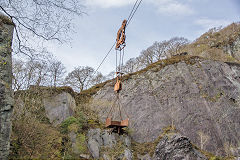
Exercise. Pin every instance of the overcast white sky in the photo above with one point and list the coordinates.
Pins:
(155, 20)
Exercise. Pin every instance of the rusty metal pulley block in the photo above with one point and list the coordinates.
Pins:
(121, 37)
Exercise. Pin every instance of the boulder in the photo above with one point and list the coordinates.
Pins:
(59, 107)
(94, 142)
(102, 143)
(174, 146)
(94, 148)
(108, 139)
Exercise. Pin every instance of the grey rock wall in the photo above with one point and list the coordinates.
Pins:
(59, 107)
(201, 99)
(6, 100)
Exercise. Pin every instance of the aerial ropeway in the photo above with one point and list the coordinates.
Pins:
(116, 121)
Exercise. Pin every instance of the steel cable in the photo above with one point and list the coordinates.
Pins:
(132, 13)
(132, 10)
(129, 20)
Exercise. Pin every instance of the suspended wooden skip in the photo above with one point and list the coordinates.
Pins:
(111, 121)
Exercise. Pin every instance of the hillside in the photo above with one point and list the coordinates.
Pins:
(186, 106)
(218, 44)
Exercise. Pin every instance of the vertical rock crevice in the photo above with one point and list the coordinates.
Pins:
(6, 94)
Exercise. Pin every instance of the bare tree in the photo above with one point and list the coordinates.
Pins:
(79, 77)
(99, 78)
(56, 72)
(24, 74)
(157, 51)
(40, 70)
(176, 45)
(41, 20)
(19, 74)
(146, 57)
(160, 50)
(130, 66)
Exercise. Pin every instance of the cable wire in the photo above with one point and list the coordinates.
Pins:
(122, 56)
(134, 12)
(101, 63)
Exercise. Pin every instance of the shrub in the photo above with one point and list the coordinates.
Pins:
(34, 140)
(73, 123)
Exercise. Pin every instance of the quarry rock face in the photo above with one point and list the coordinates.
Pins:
(59, 107)
(176, 146)
(199, 97)
(6, 99)
(101, 143)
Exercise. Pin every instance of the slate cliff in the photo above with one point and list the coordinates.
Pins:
(199, 97)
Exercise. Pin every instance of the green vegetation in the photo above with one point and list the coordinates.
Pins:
(68, 124)
(33, 136)
(81, 143)
(34, 140)
(73, 124)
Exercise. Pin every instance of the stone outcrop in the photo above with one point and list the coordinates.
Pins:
(233, 49)
(59, 107)
(199, 97)
(6, 100)
(175, 146)
(107, 145)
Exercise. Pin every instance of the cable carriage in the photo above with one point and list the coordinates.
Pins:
(112, 121)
